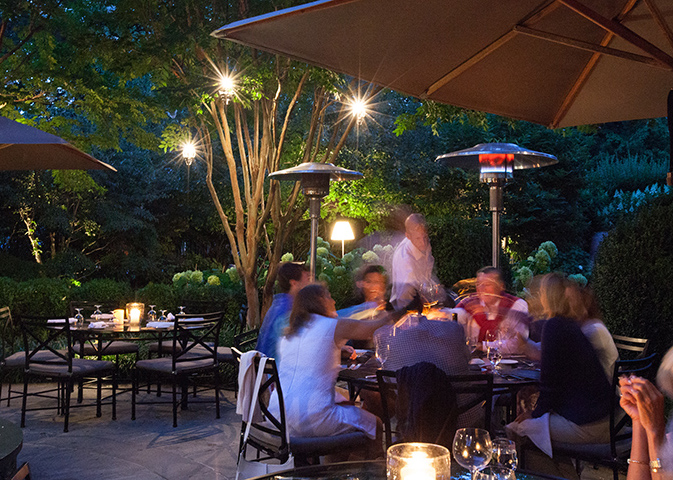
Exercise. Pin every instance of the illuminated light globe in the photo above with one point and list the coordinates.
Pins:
(189, 152)
(227, 87)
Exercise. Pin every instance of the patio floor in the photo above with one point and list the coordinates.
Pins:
(148, 448)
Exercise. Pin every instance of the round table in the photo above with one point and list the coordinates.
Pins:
(370, 470)
(11, 441)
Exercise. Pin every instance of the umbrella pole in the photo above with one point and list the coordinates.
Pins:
(669, 176)
(496, 209)
(314, 211)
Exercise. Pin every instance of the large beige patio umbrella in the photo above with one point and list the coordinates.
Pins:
(554, 62)
(23, 147)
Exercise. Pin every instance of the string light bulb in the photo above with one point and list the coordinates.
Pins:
(189, 152)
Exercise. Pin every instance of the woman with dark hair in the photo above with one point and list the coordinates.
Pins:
(309, 364)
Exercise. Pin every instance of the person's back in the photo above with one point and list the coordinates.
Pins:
(441, 343)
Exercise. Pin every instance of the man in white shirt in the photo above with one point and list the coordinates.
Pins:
(412, 261)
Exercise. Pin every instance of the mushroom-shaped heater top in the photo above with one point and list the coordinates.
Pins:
(497, 161)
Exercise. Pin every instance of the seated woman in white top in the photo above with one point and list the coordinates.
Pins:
(309, 364)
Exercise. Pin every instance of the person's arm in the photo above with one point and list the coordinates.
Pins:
(347, 329)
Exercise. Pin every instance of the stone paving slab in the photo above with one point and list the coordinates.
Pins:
(149, 448)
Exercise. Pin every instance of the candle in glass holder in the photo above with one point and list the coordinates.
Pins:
(118, 316)
(135, 315)
(418, 461)
(134, 312)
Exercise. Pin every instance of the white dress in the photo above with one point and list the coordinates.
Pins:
(308, 368)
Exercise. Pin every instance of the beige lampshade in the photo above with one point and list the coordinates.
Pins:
(342, 231)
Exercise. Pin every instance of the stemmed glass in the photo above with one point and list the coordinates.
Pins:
(182, 311)
(472, 342)
(152, 314)
(504, 453)
(495, 472)
(97, 313)
(494, 356)
(79, 318)
(382, 349)
(472, 449)
(163, 318)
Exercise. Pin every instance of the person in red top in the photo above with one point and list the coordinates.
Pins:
(491, 309)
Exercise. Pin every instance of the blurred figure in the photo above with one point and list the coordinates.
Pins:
(413, 262)
(310, 362)
(584, 309)
(372, 284)
(292, 277)
(492, 309)
(574, 401)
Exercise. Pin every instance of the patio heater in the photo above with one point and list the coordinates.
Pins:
(315, 178)
(496, 163)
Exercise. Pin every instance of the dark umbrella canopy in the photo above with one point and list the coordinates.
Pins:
(23, 147)
(556, 63)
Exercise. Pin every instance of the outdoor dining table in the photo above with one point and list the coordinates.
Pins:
(362, 376)
(370, 470)
(11, 441)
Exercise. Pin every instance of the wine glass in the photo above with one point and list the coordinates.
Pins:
(382, 349)
(494, 356)
(495, 472)
(79, 318)
(472, 342)
(182, 311)
(152, 314)
(504, 453)
(163, 318)
(97, 313)
(472, 449)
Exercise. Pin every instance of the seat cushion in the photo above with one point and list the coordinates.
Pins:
(80, 368)
(18, 359)
(115, 347)
(319, 446)
(165, 365)
(224, 354)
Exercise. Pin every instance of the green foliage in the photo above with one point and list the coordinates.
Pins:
(42, 296)
(630, 173)
(632, 276)
(104, 291)
(7, 291)
(159, 294)
(460, 247)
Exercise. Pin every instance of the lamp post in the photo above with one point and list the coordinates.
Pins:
(342, 231)
(496, 163)
(315, 178)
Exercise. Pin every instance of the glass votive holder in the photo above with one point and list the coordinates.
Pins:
(418, 461)
(118, 316)
(135, 312)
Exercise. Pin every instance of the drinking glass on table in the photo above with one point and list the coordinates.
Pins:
(472, 449)
(382, 349)
(494, 356)
(163, 317)
(472, 342)
(152, 314)
(97, 313)
(79, 318)
(495, 472)
(182, 310)
(504, 453)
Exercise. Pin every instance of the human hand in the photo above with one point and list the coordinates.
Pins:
(627, 399)
(348, 351)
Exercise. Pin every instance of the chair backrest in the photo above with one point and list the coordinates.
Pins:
(471, 391)
(246, 341)
(642, 367)
(268, 437)
(195, 337)
(631, 347)
(89, 307)
(40, 336)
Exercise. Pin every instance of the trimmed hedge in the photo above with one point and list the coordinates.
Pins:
(633, 275)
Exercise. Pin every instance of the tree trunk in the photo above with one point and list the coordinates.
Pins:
(26, 216)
